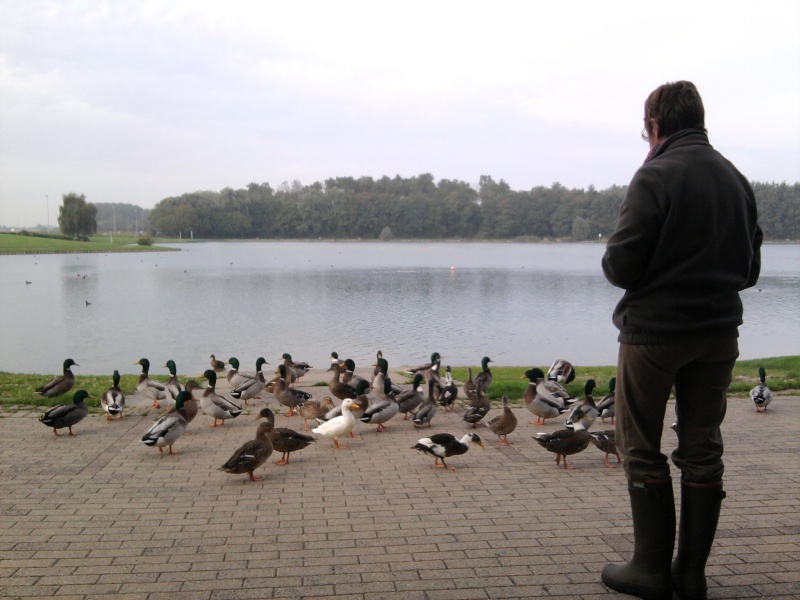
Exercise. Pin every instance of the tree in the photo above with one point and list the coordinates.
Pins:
(76, 217)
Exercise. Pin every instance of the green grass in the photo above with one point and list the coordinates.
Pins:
(12, 243)
(783, 375)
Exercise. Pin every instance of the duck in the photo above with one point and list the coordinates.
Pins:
(284, 440)
(561, 371)
(554, 393)
(295, 369)
(409, 400)
(470, 389)
(377, 369)
(338, 388)
(449, 391)
(445, 445)
(606, 406)
(382, 365)
(587, 407)
(113, 400)
(60, 384)
(235, 379)
(360, 404)
(191, 405)
(478, 408)
(761, 395)
(217, 365)
(251, 455)
(174, 386)
(340, 426)
(214, 405)
(565, 442)
(288, 396)
(252, 387)
(427, 410)
(313, 409)
(503, 424)
(349, 377)
(378, 413)
(169, 427)
(430, 370)
(67, 415)
(155, 390)
(484, 378)
(543, 406)
(606, 441)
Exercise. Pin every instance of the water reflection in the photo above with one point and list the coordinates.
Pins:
(520, 304)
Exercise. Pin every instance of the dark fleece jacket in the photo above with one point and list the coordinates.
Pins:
(687, 241)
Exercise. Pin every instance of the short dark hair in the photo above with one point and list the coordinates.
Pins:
(674, 106)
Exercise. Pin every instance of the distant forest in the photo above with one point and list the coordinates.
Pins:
(409, 208)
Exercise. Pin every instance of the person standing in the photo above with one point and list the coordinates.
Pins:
(686, 243)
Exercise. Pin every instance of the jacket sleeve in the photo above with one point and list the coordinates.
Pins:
(755, 262)
(631, 246)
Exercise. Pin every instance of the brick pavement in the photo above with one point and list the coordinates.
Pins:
(100, 515)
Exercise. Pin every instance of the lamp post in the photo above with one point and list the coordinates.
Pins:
(46, 197)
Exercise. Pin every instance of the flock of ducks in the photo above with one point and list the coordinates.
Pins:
(372, 402)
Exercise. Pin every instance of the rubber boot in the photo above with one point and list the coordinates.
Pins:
(700, 506)
(647, 575)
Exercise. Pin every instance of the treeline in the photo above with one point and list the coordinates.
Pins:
(421, 208)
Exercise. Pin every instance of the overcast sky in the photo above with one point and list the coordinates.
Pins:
(138, 101)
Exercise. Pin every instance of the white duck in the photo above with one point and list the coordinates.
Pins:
(761, 394)
(340, 426)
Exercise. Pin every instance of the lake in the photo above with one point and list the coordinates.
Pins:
(520, 304)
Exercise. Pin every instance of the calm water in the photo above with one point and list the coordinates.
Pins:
(520, 304)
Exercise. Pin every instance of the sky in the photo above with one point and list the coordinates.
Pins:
(137, 101)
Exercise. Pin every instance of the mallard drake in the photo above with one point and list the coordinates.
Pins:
(340, 426)
(113, 400)
(449, 392)
(251, 455)
(606, 405)
(761, 395)
(409, 400)
(295, 370)
(214, 405)
(288, 396)
(284, 440)
(169, 427)
(174, 386)
(445, 445)
(484, 379)
(349, 377)
(61, 384)
(252, 387)
(478, 408)
(377, 368)
(191, 405)
(554, 393)
(565, 442)
(337, 387)
(561, 371)
(427, 410)
(313, 409)
(67, 415)
(587, 407)
(155, 390)
(607, 442)
(382, 365)
(543, 406)
(503, 424)
(378, 413)
(217, 365)
(425, 368)
(235, 379)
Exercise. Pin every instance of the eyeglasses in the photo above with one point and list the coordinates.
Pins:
(644, 135)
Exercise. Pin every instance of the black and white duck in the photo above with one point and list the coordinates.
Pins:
(761, 395)
(113, 400)
(445, 445)
(67, 415)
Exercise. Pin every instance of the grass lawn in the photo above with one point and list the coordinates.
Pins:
(13, 243)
